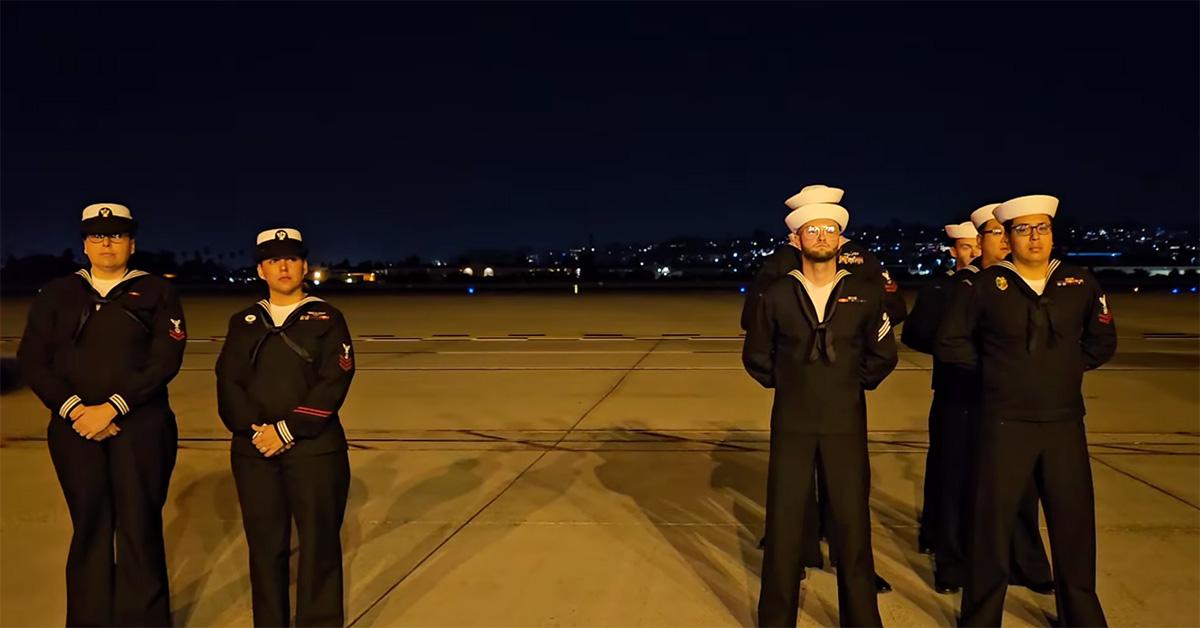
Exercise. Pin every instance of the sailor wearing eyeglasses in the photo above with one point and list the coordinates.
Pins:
(820, 336)
(283, 373)
(1029, 565)
(855, 258)
(1032, 327)
(99, 348)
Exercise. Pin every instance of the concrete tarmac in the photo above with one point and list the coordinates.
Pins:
(600, 460)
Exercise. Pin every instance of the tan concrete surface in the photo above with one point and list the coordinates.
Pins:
(630, 313)
(608, 482)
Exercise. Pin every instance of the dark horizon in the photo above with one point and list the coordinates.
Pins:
(389, 130)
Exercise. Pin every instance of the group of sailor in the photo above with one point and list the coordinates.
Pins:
(1011, 329)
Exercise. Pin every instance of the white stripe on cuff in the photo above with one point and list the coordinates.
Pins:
(68, 406)
(284, 432)
(119, 402)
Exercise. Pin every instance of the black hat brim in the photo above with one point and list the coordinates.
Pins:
(280, 248)
(107, 225)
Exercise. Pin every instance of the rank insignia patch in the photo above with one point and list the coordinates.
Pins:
(889, 286)
(1105, 316)
(344, 360)
(177, 333)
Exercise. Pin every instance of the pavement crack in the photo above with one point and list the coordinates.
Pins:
(503, 490)
(1146, 482)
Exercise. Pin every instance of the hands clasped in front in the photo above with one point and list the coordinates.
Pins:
(267, 441)
(95, 422)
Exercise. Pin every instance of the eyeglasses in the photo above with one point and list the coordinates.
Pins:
(1024, 230)
(116, 238)
(812, 231)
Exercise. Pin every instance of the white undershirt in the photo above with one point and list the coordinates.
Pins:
(104, 286)
(819, 295)
(1038, 285)
(280, 313)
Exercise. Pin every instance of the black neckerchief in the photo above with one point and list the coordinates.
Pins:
(821, 342)
(281, 330)
(98, 301)
(1039, 323)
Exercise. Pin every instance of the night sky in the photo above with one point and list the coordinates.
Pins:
(385, 130)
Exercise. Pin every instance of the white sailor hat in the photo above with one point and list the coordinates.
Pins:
(1027, 206)
(280, 242)
(815, 202)
(815, 194)
(983, 214)
(961, 230)
(816, 211)
(107, 219)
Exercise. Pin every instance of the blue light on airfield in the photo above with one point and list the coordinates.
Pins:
(1174, 290)
(471, 290)
(1193, 289)
(742, 289)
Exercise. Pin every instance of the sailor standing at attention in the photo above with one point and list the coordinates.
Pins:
(99, 349)
(282, 376)
(820, 336)
(949, 416)
(1032, 327)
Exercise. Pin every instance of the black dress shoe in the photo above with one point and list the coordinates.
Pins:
(946, 589)
(881, 585)
(923, 544)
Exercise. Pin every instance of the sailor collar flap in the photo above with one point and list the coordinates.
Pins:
(117, 289)
(114, 294)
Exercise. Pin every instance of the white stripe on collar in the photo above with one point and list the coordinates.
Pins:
(129, 274)
(798, 276)
(267, 302)
(1054, 264)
